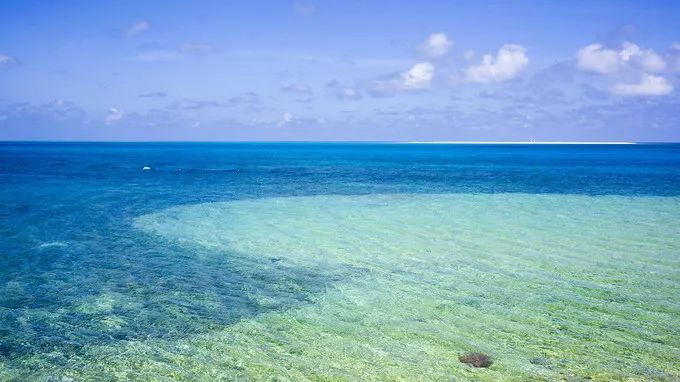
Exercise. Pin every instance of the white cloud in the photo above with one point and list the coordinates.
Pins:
(651, 62)
(647, 60)
(418, 77)
(6, 60)
(629, 50)
(598, 59)
(137, 29)
(649, 85)
(113, 115)
(510, 61)
(285, 119)
(437, 45)
(595, 58)
(336, 89)
(348, 93)
(341, 92)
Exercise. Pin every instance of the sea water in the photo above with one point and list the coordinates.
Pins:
(347, 262)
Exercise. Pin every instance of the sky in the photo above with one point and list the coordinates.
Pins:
(340, 70)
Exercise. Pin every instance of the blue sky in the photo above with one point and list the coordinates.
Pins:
(340, 70)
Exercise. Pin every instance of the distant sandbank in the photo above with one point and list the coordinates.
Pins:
(514, 143)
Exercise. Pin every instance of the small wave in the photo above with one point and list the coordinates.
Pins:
(51, 244)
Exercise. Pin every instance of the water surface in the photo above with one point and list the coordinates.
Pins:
(339, 261)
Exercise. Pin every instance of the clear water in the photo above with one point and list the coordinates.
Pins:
(346, 262)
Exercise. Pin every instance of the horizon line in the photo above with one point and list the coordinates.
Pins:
(356, 141)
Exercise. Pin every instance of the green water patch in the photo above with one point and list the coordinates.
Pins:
(551, 287)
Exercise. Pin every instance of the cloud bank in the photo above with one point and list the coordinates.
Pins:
(626, 62)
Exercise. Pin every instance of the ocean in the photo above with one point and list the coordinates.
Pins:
(339, 261)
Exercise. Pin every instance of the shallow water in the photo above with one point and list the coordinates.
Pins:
(339, 262)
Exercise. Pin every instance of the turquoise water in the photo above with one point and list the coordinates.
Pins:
(339, 262)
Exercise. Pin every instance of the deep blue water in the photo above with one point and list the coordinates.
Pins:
(67, 211)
